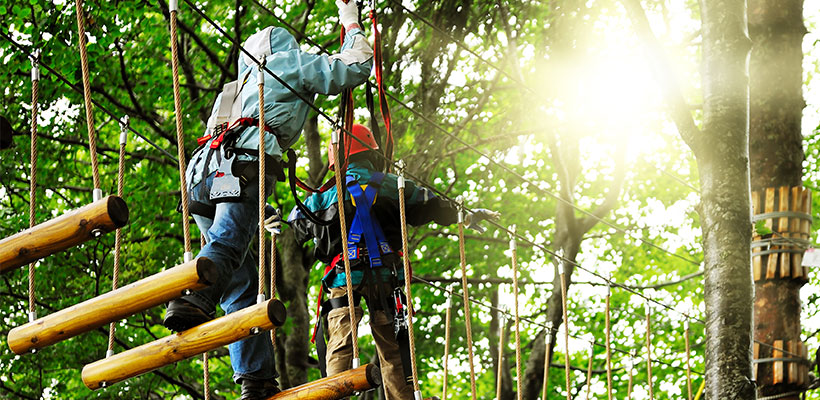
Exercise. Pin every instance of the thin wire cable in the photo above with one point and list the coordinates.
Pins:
(262, 198)
(186, 228)
(688, 360)
(337, 126)
(89, 108)
(32, 199)
(609, 343)
(351, 307)
(547, 356)
(447, 318)
(519, 378)
(500, 357)
(649, 351)
(466, 290)
(407, 278)
(589, 368)
(115, 277)
(562, 273)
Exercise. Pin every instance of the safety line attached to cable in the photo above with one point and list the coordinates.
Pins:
(89, 108)
(407, 280)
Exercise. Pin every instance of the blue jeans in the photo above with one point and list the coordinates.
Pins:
(228, 236)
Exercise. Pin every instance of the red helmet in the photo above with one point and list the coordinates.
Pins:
(352, 145)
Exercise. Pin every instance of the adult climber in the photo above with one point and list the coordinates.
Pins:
(374, 236)
(223, 175)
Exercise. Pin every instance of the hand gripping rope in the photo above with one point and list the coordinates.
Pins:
(407, 279)
(115, 278)
(467, 315)
(35, 96)
(89, 108)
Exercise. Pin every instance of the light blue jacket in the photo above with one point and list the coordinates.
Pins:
(285, 112)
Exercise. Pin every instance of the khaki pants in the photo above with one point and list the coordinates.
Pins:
(340, 347)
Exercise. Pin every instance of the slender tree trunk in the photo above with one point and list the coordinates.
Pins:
(293, 287)
(723, 163)
(776, 155)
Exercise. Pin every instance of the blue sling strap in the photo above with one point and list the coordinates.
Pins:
(364, 225)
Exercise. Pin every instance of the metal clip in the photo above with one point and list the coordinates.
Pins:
(124, 130)
(260, 298)
(98, 194)
(400, 167)
(512, 237)
(260, 74)
(35, 65)
(356, 363)
(173, 6)
(188, 256)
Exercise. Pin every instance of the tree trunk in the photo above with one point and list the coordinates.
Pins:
(295, 266)
(723, 163)
(776, 154)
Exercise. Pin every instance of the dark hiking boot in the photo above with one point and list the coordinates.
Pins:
(182, 315)
(254, 389)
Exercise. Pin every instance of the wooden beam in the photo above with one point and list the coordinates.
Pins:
(63, 232)
(335, 387)
(113, 306)
(222, 331)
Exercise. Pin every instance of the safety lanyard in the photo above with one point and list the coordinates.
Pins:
(363, 224)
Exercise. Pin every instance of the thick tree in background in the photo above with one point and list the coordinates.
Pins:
(776, 155)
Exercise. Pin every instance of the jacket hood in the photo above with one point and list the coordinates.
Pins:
(264, 43)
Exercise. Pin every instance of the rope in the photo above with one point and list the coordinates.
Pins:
(561, 272)
(607, 312)
(649, 352)
(547, 344)
(500, 357)
(688, 359)
(89, 111)
(517, 319)
(262, 200)
(186, 228)
(273, 284)
(407, 277)
(206, 376)
(631, 380)
(447, 317)
(589, 369)
(354, 328)
(115, 278)
(465, 288)
(32, 199)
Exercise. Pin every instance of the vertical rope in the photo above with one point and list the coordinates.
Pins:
(566, 324)
(589, 367)
(517, 320)
(115, 278)
(186, 228)
(260, 78)
(547, 344)
(649, 350)
(354, 326)
(688, 358)
(500, 356)
(407, 278)
(206, 376)
(273, 284)
(447, 317)
(464, 287)
(608, 311)
(32, 194)
(206, 373)
(89, 110)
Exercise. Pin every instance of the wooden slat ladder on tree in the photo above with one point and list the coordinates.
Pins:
(68, 230)
(113, 306)
(782, 218)
(213, 334)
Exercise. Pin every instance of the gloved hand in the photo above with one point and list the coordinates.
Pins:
(273, 220)
(348, 12)
(473, 219)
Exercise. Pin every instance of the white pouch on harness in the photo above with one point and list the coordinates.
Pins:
(225, 186)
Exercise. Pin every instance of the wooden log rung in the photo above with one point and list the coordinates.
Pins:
(219, 332)
(335, 387)
(63, 232)
(113, 306)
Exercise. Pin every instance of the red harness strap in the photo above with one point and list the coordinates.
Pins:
(383, 106)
